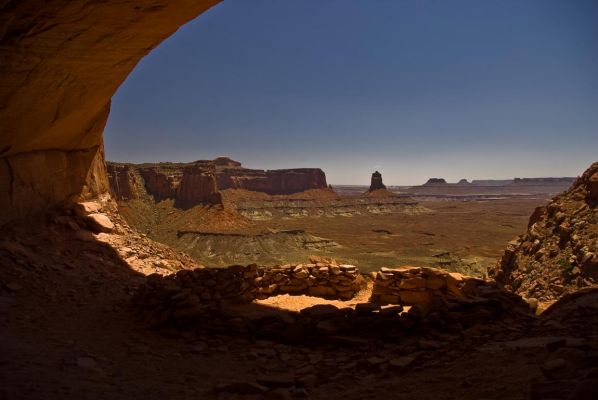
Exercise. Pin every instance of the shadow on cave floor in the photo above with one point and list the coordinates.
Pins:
(68, 329)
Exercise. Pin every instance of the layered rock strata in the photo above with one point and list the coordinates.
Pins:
(123, 182)
(197, 185)
(187, 184)
(559, 252)
(200, 181)
(231, 175)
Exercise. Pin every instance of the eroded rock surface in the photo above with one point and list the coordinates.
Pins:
(376, 182)
(188, 184)
(231, 175)
(199, 182)
(559, 252)
(61, 63)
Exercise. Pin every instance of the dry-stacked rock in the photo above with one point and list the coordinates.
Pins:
(320, 280)
(559, 252)
(414, 285)
(188, 293)
(197, 298)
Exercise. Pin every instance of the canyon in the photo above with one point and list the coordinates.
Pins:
(255, 331)
(93, 306)
(223, 225)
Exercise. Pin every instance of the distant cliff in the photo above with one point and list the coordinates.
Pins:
(543, 181)
(435, 181)
(504, 182)
(231, 175)
(187, 184)
(199, 182)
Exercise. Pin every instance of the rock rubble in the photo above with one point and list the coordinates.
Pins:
(559, 252)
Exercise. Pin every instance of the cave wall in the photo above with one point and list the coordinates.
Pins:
(60, 63)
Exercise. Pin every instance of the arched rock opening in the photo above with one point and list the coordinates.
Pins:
(61, 63)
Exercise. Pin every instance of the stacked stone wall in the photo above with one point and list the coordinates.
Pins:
(189, 292)
(415, 285)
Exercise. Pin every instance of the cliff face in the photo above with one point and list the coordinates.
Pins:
(159, 183)
(231, 175)
(198, 182)
(559, 252)
(188, 184)
(198, 185)
(123, 182)
(289, 181)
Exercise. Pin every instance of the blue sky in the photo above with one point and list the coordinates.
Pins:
(414, 88)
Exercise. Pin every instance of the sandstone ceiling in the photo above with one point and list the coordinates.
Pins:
(61, 62)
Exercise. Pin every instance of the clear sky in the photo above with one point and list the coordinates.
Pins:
(414, 88)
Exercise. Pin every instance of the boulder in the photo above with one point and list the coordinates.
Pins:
(99, 222)
(85, 208)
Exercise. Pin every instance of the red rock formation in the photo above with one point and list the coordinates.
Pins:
(199, 182)
(376, 182)
(188, 184)
(122, 181)
(159, 183)
(231, 175)
(197, 186)
(225, 162)
(288, 181)
(62, 61)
